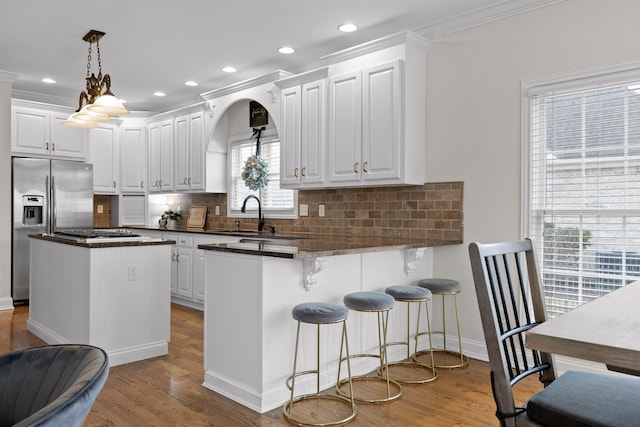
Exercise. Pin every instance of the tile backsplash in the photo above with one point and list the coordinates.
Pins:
(433, 210)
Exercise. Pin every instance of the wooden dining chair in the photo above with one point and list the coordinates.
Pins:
(511, 302)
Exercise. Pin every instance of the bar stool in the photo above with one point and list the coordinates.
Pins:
(381, 304)
(413, 294)
(446, 287)
(320, 313)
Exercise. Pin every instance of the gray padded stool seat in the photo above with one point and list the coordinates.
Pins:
(446, 287)
(320, 313)
(379, 303)
(410, 295)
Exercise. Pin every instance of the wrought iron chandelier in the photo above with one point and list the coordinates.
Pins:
(96, 104)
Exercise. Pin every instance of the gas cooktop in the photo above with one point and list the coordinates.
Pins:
(94, 236)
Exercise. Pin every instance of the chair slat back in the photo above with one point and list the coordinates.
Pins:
(511, 302)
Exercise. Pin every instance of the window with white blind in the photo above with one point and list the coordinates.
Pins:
(276, 202)
(583, 175)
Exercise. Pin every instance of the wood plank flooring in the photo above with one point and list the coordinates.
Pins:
(167, 390)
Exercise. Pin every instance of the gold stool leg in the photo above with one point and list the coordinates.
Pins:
(288, 407)
(410, 360)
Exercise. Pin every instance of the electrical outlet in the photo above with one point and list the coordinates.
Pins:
(320, 210)
(133, 273)
(100, 208)
(217, 209)
(304, 210)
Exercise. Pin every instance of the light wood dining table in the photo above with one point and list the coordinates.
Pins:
(605, 330)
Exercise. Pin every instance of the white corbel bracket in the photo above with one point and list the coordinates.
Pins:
(410, 257)
(310, 267)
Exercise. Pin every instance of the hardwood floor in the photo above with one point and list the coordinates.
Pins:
(167, 390)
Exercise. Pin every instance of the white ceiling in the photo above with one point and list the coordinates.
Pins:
(156, 45)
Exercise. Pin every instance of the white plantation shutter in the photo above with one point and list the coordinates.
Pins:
(584, 188)
(274, 199)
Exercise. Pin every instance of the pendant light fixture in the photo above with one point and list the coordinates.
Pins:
(96, 104)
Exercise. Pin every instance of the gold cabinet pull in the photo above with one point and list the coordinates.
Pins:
(355, 167)
(304, 171)
(189, 181)
(46, 146)
(114, 184)
(365, 167)
(173, 257)
(295, 172)
(53, 146)
(141, 184)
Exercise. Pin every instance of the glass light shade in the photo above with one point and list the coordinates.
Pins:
(87, 115)
(108, 104)
(73, 122)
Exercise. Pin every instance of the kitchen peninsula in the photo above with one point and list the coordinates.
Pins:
(114, 295)
(253, 284)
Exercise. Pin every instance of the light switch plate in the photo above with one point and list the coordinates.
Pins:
(304, 210)
(320, 210)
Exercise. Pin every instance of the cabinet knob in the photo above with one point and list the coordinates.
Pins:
(304, 171)
(355, 167)
(295, 172)
(365, 166)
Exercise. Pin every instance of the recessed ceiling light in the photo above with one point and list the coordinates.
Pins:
(191, 83)
(229, 69)
(48, 80)
(286, 50)
(348, 28)
(159, 93)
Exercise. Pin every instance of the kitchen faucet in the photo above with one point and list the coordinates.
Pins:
(260, 217)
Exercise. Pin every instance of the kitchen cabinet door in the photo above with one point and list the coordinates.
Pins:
(289, 132)
(199, 275)
(103, 143)
(382, 122)
(181, 153)
(184, 263)
(161, 156)
(345, 127)
(40, 132)
(134, 160)
(312, 138)
(189, 152)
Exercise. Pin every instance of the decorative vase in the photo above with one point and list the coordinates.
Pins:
(172, 223)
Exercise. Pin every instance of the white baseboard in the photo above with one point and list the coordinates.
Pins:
(116, 357)
(6, 303)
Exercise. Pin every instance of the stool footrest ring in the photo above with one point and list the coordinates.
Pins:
(464, 360)
(289, 406)
(389, 395)
(412, 363)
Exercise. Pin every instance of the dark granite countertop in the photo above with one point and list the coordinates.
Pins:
(105, 244)
(303, 245)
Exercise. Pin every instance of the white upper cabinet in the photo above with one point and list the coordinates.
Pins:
(39, 131)
(134, 160)
(366, 126)
(303, 129)
(189, 152)
(161, 140)
(104, 146)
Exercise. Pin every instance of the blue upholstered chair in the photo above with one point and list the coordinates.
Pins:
(52, 385)
(508, 288)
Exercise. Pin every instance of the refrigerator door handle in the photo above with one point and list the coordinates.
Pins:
(52, 206)
(47, 203)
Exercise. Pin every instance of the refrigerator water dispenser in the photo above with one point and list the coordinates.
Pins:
(32, 210)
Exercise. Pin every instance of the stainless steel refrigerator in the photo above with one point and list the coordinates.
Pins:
(48, 196)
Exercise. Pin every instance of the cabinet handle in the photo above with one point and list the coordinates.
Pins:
(295, 172)
(53, 146)
(160, 183)
(189, 181)
(364, 167)
(114, 184)
(46, 146)
(355, 167)
(141, 184)
(178, 258)
(304, 171)
(173, 257)
(184, 181)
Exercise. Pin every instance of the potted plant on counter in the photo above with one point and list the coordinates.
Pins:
(171, 217)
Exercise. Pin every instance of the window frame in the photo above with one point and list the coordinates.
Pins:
(604, 76)
(269, 135)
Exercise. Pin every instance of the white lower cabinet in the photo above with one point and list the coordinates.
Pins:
(188, 265)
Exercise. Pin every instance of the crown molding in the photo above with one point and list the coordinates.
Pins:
(408, 37)
(481, 16)
(6, 76)
(246, 84)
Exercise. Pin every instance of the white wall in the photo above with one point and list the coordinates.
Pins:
(5, 194)
(474, 112)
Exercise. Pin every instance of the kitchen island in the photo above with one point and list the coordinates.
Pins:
(114, 295)
(253, 284)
